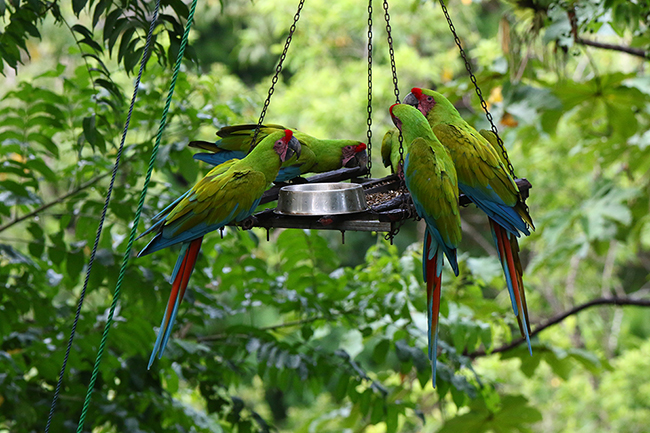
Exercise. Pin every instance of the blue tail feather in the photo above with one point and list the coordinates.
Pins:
(168, 331)
(179, 261)
(156, 346)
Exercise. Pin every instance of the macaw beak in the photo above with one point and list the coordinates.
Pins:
(410, 99)
(360, 159)
(293, 148)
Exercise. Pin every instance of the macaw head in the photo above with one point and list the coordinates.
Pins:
(287, 146)
(394, 114)
(428, 101)
(354, 155)
(410, 121)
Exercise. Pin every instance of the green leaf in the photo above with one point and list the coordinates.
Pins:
(403, 350)
(378, 411)
(380, 351)
(341, 387)
(391, 418)
(78, 5)
(75, 264)
(306, 331)
(90, 132)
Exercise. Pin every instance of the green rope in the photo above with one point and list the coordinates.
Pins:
(136, 220)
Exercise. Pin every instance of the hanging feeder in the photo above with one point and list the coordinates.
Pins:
(389, 203)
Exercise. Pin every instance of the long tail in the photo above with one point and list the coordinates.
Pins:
(508, 250)
(180, 278)
(433, 278)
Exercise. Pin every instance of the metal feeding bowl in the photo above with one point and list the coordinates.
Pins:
(321, 199)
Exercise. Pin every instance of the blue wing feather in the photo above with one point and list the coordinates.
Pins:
(490, 203)
(218, 158)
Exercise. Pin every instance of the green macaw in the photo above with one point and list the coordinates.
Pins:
(430, 177)
(387, 148)
(318, 156)
(229, 192)
(484, 178)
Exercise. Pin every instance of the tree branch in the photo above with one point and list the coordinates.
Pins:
(55, 201)
(629, 50)
(560, 317)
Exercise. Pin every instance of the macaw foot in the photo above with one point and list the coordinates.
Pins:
(400, 173)
(299, 180)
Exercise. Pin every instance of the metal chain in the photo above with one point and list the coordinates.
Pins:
(369, 108)
(511, 169)
(278, 69)
(391, 51)
(406, 204)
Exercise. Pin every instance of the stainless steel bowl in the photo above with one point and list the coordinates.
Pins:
(321, 199)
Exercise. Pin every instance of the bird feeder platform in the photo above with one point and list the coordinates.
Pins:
(388, 205)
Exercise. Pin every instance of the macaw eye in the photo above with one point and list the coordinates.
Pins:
(429, 98)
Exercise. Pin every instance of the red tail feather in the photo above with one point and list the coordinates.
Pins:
(514, 248)
(183, 277)
(434, 285)
(507, 259)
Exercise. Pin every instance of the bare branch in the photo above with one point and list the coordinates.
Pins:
(633, 51)
(478, 238)
(57, 200)
(560, 317)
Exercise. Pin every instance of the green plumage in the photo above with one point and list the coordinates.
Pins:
(431, 173)
(478, 164)
(318, 155)
(484, 178)
(233, 186)
(390, 144)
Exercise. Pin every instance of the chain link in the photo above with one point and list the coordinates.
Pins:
(511, 169)
(369, 109)
(278, 69)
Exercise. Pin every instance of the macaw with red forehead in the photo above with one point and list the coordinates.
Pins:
(430, 177)
(229, 192)
(318, 156)
(484, 178)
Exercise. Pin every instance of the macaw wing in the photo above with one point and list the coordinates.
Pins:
(217, 199)
(205, 145)
(160, 218)
(386, 147)
(245, 129)
(478, 165)
(234, 143)
(434, 190)
(239, 137)
(491, 137)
